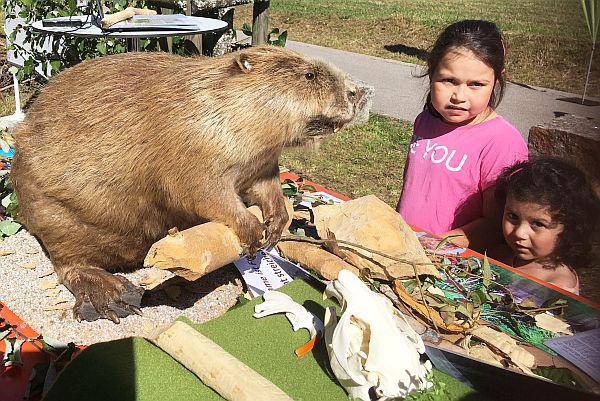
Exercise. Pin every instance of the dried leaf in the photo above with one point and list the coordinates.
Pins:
(6, 252)
(424, 312)
(47, 284)
(519, 357)
(484, 353)
(62, 306)
(28, 266)
(31, 251)
(551, 323)
(57, 301)
(436, 291)
(46, 273)
(52, 292)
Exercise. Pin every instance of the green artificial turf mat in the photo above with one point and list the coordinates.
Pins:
(134, 369)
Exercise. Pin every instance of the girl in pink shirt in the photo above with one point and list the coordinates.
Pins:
(550, 217)
(460, 144)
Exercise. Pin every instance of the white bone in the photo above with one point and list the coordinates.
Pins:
(372, 345)
(278, 302)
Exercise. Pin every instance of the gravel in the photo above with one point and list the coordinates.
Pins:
(25, 273)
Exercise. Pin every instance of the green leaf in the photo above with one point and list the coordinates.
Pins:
(101, 47)
(6, 201)
(55, 64)
(409, 285)
(528, 303)
(487, 271)
(247, 29)
(9, 227)
(560, 375)
(445, 240)
(281, 39)
(309, 188)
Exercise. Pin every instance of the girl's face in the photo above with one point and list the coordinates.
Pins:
(529, 229)
(461, 87)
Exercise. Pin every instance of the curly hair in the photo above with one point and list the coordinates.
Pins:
(566, 192)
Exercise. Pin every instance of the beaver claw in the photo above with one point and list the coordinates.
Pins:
(99, 294)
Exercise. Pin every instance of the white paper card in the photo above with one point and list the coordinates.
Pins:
(267, 271)
(581, 349)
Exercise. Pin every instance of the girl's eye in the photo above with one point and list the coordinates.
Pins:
(477, 84)
(538, 224)
(449, 80)
(511, 216)
(310, 76)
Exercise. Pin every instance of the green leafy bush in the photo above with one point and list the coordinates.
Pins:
(73, 49)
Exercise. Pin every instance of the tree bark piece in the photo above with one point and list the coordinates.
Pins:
(314, 257)
(370, 222)
(218, 369)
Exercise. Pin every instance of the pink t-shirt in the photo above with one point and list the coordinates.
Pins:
(448, 167)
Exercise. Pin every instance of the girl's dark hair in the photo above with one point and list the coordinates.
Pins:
(480, 37)
(566, 191)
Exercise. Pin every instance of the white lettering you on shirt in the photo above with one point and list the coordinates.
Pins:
(438, 154)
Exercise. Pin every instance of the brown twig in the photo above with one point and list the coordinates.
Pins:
(292, 237)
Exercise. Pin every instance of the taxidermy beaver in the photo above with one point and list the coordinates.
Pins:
(116, 151)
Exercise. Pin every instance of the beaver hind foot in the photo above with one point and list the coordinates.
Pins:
(100, 294)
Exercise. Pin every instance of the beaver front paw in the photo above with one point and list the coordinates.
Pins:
(99, 294)
(250, 233)
(275, 225)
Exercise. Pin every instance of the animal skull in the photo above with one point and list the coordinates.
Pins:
(372, 345)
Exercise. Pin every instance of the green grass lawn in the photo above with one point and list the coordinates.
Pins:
(363, 160)
(548, 41)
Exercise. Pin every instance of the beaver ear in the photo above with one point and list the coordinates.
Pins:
(243, 62)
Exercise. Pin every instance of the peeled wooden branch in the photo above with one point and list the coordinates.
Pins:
(315, 258)
(127, 13)
(218, 369)
(199, 250)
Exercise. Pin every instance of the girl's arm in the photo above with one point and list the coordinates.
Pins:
(484, 232)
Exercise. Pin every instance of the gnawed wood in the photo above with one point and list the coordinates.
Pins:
(218, 369)
(199, 250)
(314, 257)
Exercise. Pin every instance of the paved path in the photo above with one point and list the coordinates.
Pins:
(400, 93)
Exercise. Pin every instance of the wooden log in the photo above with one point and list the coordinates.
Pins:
(129, 12)
(199, 250)
(218, 369)
(312, 256)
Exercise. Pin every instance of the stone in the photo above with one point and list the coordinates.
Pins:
(573, 138)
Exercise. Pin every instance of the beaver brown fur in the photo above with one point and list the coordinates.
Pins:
(116, 151)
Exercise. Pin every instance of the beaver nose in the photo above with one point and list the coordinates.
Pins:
(351, 95)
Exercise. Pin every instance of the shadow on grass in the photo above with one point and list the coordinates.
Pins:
(408, 50)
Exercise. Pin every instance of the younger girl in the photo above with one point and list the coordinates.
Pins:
(550, 217)
(460, 144)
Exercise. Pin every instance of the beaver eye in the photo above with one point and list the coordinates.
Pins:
(310, 76)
